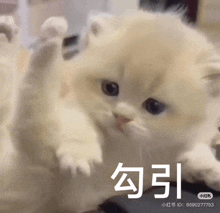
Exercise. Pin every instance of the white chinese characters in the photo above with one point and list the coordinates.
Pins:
(166, 184)
(140, 170)
(118, 186)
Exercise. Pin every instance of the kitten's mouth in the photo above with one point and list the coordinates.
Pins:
(120, 121)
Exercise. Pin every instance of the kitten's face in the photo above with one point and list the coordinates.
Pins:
(143, 86)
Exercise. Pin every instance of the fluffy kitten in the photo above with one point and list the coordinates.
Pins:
(41, 124)
(23, 183)
(150, 84)
(9, 45)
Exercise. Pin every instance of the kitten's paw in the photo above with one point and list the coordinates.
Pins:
(67, 161)
(201, 170)
(54, 27)
(79, 157)
(8, 29)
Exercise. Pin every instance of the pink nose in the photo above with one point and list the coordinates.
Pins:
(120, 121)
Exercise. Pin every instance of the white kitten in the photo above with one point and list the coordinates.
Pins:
(150, 84)
(9, 46)
(42, 118)
(8, 76)
(41, 126)
(13, 192)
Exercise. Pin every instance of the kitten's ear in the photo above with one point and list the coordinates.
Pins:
(212, 76)
(98, 25)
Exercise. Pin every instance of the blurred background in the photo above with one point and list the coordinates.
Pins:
(30, 14)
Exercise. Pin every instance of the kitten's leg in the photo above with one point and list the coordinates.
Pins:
(200, 164)
(81, 145)
(38, 117)
(24, 187)
(35, 125)
(9, 46)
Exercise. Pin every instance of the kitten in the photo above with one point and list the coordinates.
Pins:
(9, 45)
(23, 183)
(42, 126)
(150, 84)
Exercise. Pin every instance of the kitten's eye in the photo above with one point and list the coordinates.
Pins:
(110, 88)
(154, 107)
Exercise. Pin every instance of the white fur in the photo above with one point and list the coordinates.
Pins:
(42, 126)
(149, 55)
(22, 182)
(8, 77)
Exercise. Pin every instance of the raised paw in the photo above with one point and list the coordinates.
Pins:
(68, 162)
(78, 157)
(8, 29)
(54, 27)
(201, 170)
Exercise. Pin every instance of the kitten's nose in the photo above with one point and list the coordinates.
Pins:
(120, 121)
(123, 113)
